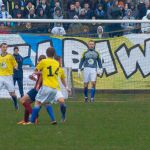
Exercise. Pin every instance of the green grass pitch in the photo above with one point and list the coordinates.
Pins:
(113, 122)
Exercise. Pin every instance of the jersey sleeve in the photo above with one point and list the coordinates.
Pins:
(40, 65)
(82, 60)
(63, 76)
(99, 60)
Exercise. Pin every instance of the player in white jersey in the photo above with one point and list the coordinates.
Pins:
(89, 61)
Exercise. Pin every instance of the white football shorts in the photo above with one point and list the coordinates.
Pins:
(7, 83)
(89, 74)
(59, 95)
(46, 94)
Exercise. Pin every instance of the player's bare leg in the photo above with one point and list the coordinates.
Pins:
(86, 92)
(14, 98)
(93, 85)
(26, 102)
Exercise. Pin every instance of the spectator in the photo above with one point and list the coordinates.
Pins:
(77, 7)
(75, 28)
(18, 74)
(58, 30)
(18, 25)
(45, 8)
(57, 5)
(27, 9)
(41, 28)
(114, 12)
(31, 14)
(58, 14)
(141, 9)
(16, 10)
(134, 11)
(128, 2)
(85, 31)
(82, 14)
(128, 27)
(93, 27)
(88, 11)
(100, 31)
(3, 13)
(99, 12)
(106, 5)
(145, 27)
(71, 12)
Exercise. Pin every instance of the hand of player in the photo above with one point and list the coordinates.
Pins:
(32, 77)
(37, 72)
(79, 73)
(99, 72)
(68, 90)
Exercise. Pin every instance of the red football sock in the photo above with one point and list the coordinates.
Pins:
(27, 107)
(26, 116)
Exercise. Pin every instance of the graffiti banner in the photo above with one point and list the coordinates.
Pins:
(125, 60)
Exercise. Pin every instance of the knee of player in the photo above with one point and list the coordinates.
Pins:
(12, 94)
(37, 103)
(61, 100)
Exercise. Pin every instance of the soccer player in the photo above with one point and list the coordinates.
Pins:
(49, 69)
(18, 73)
(29, 98)
(59, 94)
(7, 65)
(89, 61)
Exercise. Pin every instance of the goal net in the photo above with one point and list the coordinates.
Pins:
(124, 51)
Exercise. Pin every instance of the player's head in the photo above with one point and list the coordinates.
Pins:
(16, 50)
(41, 57)
(59, 59)
(91, 44)
(50, 52)
(4, 47)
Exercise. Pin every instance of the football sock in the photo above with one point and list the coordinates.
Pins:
(86, 92)
(50, 112)
(27, 107)
(63, 110)
(14, 98)
(35, 112)
(92, 93)
(26, 116)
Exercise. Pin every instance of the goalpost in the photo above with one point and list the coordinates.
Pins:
(125, 57)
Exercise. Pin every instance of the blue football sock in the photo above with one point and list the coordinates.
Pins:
(63, 111)
(92, 93)
(86, 92)
(35, 112)
(50, 112)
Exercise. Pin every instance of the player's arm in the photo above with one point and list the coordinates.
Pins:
(14, 63)
(33, 77)
(100, 69)
(63, 80)
(81, 64)
(81, 61)
(99, 61)
(39, 82)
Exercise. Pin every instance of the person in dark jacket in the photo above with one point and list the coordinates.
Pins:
(18, 74)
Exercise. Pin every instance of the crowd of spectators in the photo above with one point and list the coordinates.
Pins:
(75, 9)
